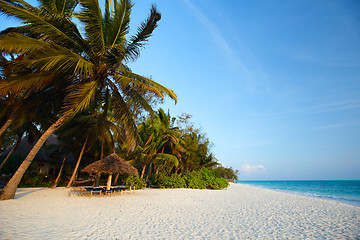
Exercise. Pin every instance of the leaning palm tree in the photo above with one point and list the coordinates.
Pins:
(94, 63)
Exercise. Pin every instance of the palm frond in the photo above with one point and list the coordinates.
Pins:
(144, 32)
(90, 15)
(135, 94)
(81, 95)
(119, 25)
(24, 29)
(163, 157)
(45, 25)
(146, 83)
(123, 116)
(16, 84)
(44, 56)
(59, 7)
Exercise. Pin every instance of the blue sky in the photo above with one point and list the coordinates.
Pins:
(274, 84)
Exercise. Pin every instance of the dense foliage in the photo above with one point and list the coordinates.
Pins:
(135, 181)
(196, 179)
(226, 172)
(73, 80)
(53, 69)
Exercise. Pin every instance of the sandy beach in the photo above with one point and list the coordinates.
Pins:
(240, 212)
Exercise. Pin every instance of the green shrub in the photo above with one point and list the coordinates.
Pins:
(139, 183)
(204, 179)
(153, 179)
(212, 181)
(201, 179)
(175, 180)
(222, 182)
(193, 180)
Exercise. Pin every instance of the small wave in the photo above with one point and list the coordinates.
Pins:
(315, 189)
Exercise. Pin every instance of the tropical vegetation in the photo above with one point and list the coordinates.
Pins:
(65, 71)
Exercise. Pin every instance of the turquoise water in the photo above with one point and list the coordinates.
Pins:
(342, 191)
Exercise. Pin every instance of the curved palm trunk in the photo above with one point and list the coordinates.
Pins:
(143, 171)
(8, 122)
(116, 178)
(6, 125)
(10, 188)
(59, 174)
(77, 164)
(11, 151)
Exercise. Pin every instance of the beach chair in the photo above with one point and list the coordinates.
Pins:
(94, 191)
(119, 190)
(79, 190)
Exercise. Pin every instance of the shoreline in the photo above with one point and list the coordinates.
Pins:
(239, 212)
(316, 196)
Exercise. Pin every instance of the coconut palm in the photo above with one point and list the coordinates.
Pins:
(95, 63)
(160, 144)
(97, 130)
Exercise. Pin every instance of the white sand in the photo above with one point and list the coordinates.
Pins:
(240, 212)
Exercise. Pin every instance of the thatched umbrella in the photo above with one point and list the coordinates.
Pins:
(110, 165)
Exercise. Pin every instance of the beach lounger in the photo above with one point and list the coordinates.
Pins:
(118, 190)
(79, 190)
(100, 191)
(95, 191)
(122, 189)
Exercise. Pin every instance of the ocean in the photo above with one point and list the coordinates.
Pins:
(345, 191)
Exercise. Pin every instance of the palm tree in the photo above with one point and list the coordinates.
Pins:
(97, 130)
(197, 155)
(160, 144)
(94, 64)
(208, 161)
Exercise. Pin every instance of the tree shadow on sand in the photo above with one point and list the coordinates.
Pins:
(22, 192)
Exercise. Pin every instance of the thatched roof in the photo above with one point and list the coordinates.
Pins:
(110, 165)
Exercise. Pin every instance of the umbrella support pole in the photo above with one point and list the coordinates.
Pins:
(108, 186)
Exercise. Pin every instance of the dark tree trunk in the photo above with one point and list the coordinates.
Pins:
(147, 177)
(10, 188)
(97, 180)
(116, 179)
(77, 164)
(12, 150)
(7, 123)
(143, 171)
(59, 174)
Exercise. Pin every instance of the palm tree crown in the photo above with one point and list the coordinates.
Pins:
(96, 63)
(91, 67)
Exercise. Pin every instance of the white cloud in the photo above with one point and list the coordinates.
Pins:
(247, 168)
